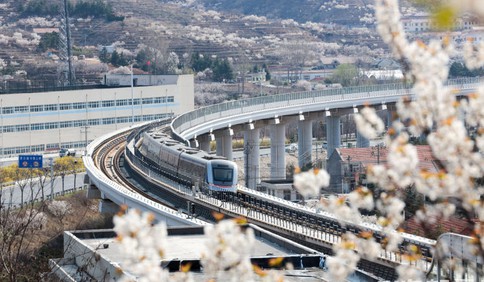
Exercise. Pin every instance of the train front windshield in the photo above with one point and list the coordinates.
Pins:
(223, 175)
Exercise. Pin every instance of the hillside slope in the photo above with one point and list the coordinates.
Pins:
(347, 12)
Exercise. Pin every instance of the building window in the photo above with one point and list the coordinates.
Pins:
(52, 146)
(94, 122)
(51, 125)
(9, 128)
(109, 120)
(65, 124)
(123, 120)
(37, 148)
(36, 108)
(147, 101)
(7, 110)
(22, 127)
(122, 102)
(66, 106)
(21, 150)
(21, 109)
(79, 106)
(94, 104)
(108, 103)
(38, 126)
(9, 151)
(77, 123)
(50, 107)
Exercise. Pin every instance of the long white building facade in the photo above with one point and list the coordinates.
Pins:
(47, 121)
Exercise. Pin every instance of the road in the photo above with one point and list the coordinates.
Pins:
(12, 195)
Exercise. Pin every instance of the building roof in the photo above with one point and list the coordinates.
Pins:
(370, 155)
(42, 30)
(452, 224)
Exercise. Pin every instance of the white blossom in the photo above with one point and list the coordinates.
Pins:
(227, 252)
(368, 123)
(309, 183)
(59, 208)
(409, 274)
(144, 244)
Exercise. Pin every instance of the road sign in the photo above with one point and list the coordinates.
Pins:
(30, 161)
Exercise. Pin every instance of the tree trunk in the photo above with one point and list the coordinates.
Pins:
(63, 184)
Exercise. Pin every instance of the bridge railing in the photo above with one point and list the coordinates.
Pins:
(120, 194)
(230, 108)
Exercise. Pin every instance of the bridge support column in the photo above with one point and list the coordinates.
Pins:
(333, 133)
(304, 142)
(194, 143)
(361, 141)
(219, 147)
(224, 143)
(107, 206)
(227, 141)
(278, 154)
(204, 142)
(389, 119)
(92, 192)
(252, 158)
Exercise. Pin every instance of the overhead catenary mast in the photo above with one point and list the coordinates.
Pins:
(68, 76)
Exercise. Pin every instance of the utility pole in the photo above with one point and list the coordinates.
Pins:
(85, 131)
(132, 96)
(378, 146)
(51, 163)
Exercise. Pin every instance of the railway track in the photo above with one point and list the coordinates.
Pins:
(118, 160)
(109, 157)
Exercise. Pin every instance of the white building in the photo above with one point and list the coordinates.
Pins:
(282, 189)
(423, 23)
(47, 121)
(383, 74)
(301, 75)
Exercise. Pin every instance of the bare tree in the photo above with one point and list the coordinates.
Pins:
(296, 54)
(18, 228)
(21, 177)
(42, 176)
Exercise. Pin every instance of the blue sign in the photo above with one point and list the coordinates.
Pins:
(30, 161)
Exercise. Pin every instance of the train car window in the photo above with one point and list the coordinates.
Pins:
(222, 174)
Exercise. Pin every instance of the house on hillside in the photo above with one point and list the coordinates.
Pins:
(347, 166)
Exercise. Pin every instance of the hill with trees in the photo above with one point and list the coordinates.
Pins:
(347, 12)
(161, 36)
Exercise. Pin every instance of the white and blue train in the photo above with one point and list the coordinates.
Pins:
(188, 165)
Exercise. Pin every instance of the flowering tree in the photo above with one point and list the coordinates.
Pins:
(434, 112)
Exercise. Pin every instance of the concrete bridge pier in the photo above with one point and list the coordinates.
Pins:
(105, 205)
(223, 139)
(304, 142)
(278, 154)
(252, 157)
(109, 207)
(333, 133)
(204, 142)
(194, 143)
(389, 120)
(92, 191)
(361, 141)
